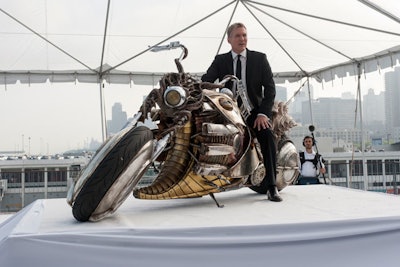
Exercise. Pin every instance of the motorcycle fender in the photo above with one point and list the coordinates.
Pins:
(287, 165)
(125, 183)
(94, 162)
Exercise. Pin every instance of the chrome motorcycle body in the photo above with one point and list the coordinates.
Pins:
(195, 136)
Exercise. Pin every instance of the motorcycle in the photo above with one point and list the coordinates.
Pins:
(193, 134)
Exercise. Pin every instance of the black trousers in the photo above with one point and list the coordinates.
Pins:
(268, 149)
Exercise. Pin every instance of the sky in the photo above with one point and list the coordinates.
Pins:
(52, 118)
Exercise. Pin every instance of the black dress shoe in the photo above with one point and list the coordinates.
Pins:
(273, 194)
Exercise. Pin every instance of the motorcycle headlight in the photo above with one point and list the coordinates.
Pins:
(174, 96)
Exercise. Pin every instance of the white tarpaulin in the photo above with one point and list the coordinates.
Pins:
(67, 40)
(315, 225)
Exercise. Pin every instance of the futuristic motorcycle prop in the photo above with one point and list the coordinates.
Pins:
(195, 138)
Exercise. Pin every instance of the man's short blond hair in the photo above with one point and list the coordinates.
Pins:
(234, 26)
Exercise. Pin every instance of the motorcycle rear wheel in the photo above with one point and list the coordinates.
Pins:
(113, 171)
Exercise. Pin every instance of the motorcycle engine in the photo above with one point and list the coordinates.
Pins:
(219, 142)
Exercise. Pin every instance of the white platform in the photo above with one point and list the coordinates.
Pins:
(315, 225)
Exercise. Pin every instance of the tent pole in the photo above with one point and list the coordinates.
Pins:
(380, 10)
(102, 112)
(104, 37)
(45, 39)
(361, 127)
(168, 38)
(226, 30)
(310, 100)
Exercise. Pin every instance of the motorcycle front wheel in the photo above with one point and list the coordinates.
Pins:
(114, 178)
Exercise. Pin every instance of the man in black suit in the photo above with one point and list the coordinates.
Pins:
(256, 75)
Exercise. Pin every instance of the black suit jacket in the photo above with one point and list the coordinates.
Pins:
(259, 78)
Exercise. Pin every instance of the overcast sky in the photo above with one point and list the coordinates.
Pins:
(52, 118)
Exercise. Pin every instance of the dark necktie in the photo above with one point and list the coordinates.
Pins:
(239, 68)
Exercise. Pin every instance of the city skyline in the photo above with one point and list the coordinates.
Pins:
(61, 117)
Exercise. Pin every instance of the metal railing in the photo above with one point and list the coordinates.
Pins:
(377, 175)
(381, 176)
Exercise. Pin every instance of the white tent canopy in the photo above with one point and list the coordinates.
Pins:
(64, 41)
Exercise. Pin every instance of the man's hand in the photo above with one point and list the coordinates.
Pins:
(262, 122)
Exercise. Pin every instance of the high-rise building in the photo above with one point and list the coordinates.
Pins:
(330, 113)
(281, 93)
(118, 119)
(392, 99)
(296, 107)
(373, 109)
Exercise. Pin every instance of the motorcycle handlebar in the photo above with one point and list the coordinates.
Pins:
(171, 45)
(227, 78)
